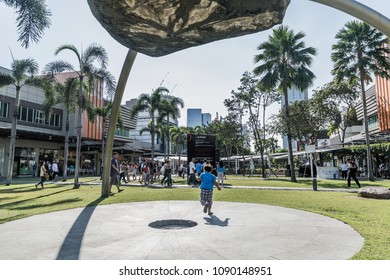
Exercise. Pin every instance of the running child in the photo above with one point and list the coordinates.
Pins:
(208, 181)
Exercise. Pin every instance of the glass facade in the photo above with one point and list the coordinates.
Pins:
(4, 109)
(372, 122)
(194, 117)
(37, 116)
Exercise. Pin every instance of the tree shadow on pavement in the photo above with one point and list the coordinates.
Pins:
(70, 249)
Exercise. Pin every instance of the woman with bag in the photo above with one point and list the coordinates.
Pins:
(42, 173)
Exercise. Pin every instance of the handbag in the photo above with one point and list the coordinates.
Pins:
(46, 175)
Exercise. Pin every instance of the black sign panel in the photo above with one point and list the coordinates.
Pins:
(201, 147)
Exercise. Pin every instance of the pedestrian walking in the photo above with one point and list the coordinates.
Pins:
(54, 168)
(191, 172)
(352, 170)
(114, 173)
(42, 173)
(220, 172)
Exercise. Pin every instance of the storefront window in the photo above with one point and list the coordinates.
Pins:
(25, 159)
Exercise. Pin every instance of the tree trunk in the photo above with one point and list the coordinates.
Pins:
(120, 89)
(12, 142)
(103, 142)
(78, 132)
(289, 140)
(370, 174)
(66, 149)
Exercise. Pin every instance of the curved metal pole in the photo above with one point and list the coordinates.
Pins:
(360, 11)
(120, 89)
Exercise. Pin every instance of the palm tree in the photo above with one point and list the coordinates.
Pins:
(285, 60)
(32, 20)
(170, 107)
(197, 130)
(157, 129)
(86, 72)
(176, 135)
(360, 51)
(152, 104)
(65, 94)
(18, 78)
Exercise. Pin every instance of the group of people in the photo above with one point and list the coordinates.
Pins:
(204, 176)
(147, 172)
(198, 167)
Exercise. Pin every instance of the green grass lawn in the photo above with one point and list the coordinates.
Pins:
(369, 217)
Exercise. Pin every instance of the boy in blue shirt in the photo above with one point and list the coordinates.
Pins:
(208, 181)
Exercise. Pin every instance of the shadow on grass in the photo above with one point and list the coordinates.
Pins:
(7, 198)
(18, 189)
(33, 198)
(34, 206)
(70, 249)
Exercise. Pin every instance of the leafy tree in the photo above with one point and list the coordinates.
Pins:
(33, 18)
(22, 73)
(360, 51)
(227, 132)
(88, 73)
(344, 96)
(284, 60)
(152, 103)
(308, 118)
(236, 109)
(197, 130)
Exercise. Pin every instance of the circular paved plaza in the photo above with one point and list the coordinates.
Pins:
(236, 231)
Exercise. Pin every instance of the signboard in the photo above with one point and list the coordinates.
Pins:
(310, 148)
(201, 147)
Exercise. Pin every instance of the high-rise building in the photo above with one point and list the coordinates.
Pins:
(294, 94)
(194, 117)
(206, 119)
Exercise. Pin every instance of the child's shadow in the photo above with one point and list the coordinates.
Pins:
(215, 221)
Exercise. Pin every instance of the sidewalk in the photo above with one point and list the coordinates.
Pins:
(95, 180)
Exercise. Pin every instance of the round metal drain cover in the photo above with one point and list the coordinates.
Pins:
(172, 224)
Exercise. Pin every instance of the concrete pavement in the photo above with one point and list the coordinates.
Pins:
(236, 231)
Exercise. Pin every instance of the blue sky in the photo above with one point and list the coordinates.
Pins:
(203, 76)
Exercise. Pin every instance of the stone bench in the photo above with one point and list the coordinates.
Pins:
(374, 192)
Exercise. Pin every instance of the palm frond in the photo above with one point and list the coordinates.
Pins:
(71, 48)
(56, 67)
(21, 67)
(6, 80)
(33, 18)
(95, 52)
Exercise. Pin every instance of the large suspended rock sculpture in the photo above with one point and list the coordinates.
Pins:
(160, 27)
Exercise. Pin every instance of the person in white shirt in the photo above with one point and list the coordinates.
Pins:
(344, 170)
(191, 173)
(54, 168)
